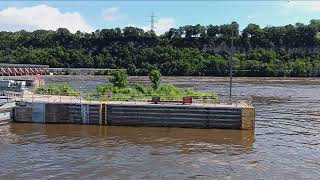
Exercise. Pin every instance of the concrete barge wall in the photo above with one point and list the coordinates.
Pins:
(157, 115)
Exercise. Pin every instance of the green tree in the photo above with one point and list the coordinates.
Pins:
(120, 78)
(155, 77)
(289, 50)
(132, 69)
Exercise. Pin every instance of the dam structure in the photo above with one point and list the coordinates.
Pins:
(126, 113)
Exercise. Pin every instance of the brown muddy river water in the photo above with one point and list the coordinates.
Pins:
(284, 145)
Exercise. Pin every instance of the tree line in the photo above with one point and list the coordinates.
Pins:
(290, 50)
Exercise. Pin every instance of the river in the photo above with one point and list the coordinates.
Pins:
(284, 145)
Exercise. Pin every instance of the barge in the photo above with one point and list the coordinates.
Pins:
(226, 116)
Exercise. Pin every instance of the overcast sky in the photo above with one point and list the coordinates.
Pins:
(91, 15)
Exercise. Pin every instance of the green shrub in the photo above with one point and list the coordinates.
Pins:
(139, 92)
(169, 89)
(154, 77)
(73, 92)
(141, 88)
(103, 89)
(40, 90)
(53, 89)
(126, 90)
(120, 78)
(64, 88)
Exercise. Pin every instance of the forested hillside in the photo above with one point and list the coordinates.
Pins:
(291, 50)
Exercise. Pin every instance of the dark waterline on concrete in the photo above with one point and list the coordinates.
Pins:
(285, 144)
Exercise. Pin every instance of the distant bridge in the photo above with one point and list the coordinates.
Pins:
(81, 71)
(22, 69)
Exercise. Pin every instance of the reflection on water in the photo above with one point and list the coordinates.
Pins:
(32, 133)
(35, 150)
(285, 144)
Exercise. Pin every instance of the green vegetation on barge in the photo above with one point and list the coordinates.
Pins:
(119, 90)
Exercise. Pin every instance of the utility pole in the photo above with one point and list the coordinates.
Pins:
(230, 68)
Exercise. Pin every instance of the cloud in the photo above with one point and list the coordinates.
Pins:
(304, 5)
(41, 17)
(164, 24)
(113, 14)
(251, 16)
(161, 25)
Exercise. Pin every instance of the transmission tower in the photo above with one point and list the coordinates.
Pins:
(152, 21)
